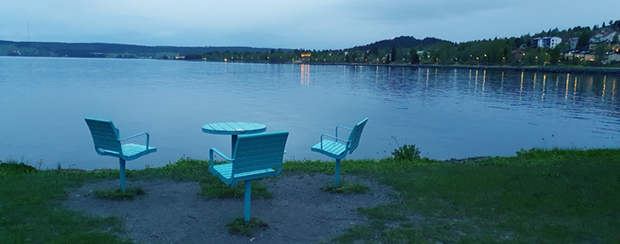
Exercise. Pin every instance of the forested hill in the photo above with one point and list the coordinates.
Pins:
(401, 42)
(59, 49)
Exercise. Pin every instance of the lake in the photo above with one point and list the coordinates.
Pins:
(447, 113)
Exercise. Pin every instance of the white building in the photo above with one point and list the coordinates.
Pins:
(546, 42)
(554, 41)
(607, 37)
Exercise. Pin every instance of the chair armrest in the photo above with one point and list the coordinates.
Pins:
(334, 137)
(139, 134)
(343, 127)
(129, 137)
(218, 152)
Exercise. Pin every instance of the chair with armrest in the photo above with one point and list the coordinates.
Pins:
(337, 148)
(254, 156)
(107, 143)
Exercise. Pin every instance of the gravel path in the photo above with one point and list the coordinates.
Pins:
(171, 212)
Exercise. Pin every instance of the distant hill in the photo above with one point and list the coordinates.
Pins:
(59, 49)
(109, 50)
(401, 42)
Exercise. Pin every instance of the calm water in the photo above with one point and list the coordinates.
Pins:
(447, 113)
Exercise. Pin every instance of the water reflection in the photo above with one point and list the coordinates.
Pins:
(305, 74)
(613, 90)
(542, 98)
(484, 79)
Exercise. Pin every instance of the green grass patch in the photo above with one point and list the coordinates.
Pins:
(386, 212)
(118, 194)
(554, 196)
(239, 227)
(537, 196)
(31, 210)
(405, 225)
(213, 187)
(346, 188)
(185, 169)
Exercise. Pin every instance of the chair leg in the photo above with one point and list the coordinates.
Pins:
(247, 200)
(122, 168)
(337, 181)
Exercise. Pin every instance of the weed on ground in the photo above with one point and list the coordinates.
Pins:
(239, 227)
(346, 188)
(118, 194)
(213, 187)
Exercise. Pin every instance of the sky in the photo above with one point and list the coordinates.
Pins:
(316, 24)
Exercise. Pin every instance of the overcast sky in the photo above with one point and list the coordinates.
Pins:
(316, 24)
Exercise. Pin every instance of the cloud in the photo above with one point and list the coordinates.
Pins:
(399, 11)
(317, 24)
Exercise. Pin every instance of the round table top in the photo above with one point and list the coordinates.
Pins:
(233, 128)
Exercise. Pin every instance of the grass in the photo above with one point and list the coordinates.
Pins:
(213, 187)
(31, 212)
(537, 196)
(118, 194)
(346, 188)
(548, 196)
(239, 227)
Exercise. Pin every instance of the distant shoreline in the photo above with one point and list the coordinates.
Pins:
(547, 69)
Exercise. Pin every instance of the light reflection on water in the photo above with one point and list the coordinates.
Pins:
(446, 112)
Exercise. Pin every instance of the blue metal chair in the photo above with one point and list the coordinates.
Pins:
(107, 143)
(337, 148)
(254, 156)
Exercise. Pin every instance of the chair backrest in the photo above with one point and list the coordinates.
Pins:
(105, 135)
(356, 134)
(259, 151)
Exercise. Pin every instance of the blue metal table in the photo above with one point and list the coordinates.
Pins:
(234, 129)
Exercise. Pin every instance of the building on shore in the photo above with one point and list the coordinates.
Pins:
(546, 42)
(603, 37)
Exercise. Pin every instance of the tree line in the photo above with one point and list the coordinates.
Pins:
(514, 51)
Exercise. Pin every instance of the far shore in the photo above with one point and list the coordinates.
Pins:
(548, 69)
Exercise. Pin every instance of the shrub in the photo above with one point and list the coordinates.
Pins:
(406, 152)
(14, 168)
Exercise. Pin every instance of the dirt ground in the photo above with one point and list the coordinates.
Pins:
(172, 212)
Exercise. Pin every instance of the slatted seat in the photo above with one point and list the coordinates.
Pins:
(107, 143)
(337, 148)
(254, 156)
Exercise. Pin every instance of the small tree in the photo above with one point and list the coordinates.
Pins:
(414, 56)
(374, 50)
(582, 42)
(616, 38)
(600, 52)
(353, 57)
(393, 56)
(554, 55)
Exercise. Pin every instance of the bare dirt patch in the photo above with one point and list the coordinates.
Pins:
(172, 212)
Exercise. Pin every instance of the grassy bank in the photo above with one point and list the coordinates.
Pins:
(538, 196)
